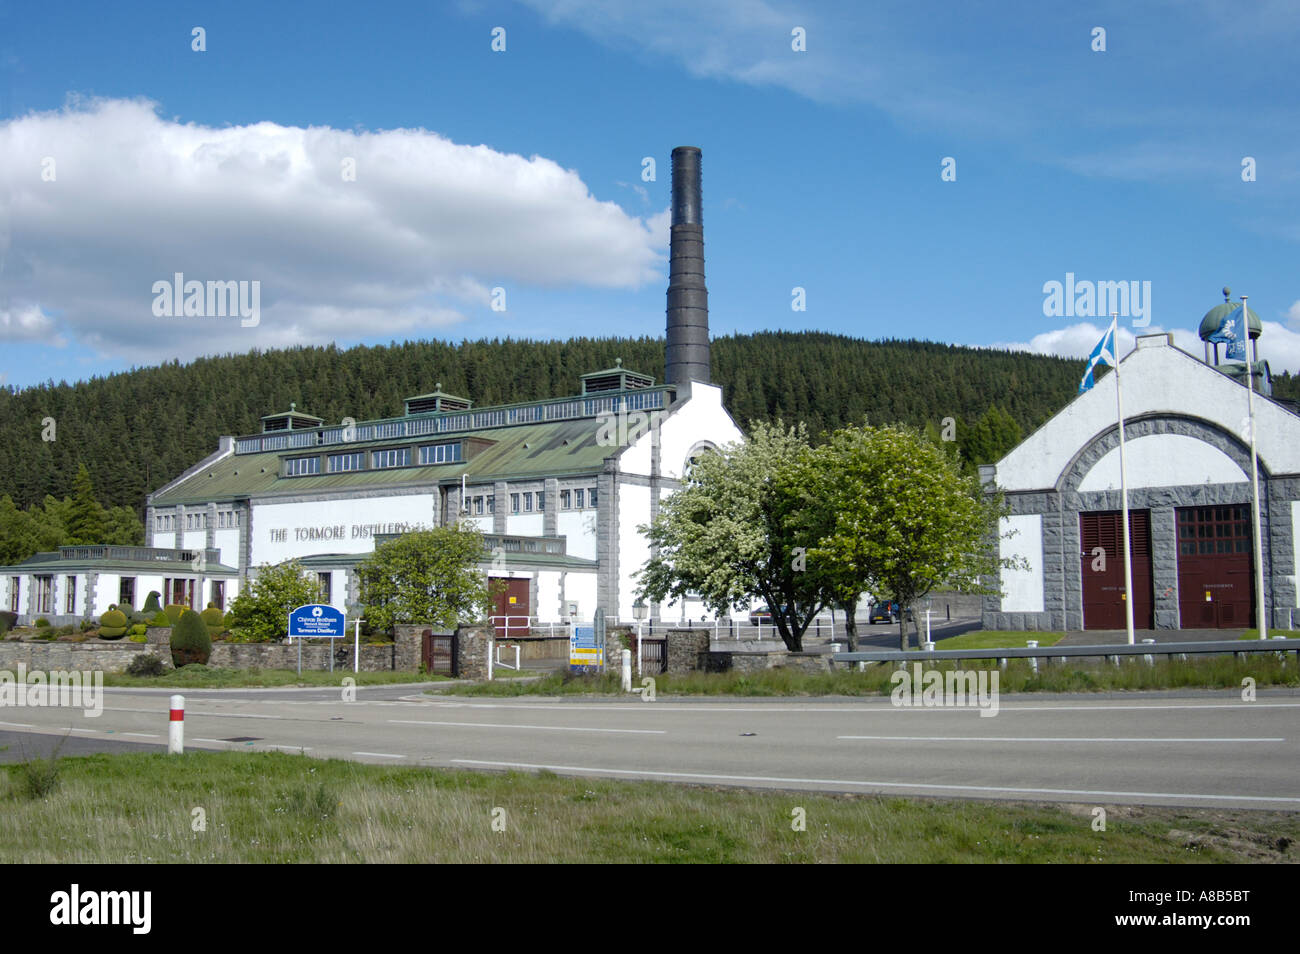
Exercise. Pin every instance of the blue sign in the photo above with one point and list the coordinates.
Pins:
(315, 620)
(585, 652)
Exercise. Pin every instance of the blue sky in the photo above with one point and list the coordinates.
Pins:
(127, 157)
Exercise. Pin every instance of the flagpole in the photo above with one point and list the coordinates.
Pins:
(1123, 484)
(1261, 613)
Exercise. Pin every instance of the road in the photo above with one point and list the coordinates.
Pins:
(1206, 749)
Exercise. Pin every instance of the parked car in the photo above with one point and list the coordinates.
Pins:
(760, 617)
(886, 611)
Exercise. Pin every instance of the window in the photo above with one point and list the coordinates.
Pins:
(323, 581)
(566, 500)
(44, 595)
(514, 503)
(478, 505)
(591, 497)
(70, 598)
(492, 503)
(541, 500)
(14, 583)
(577, 494)
(178, 591)
(339, 463)
(126, 591)
(219, 594)
(399, 457)
(440, 453)
(300, 466)
(528, 503)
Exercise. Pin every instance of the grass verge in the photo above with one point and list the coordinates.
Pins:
(211, 677)
(995, 639)
(267, 807)
(1075, 675)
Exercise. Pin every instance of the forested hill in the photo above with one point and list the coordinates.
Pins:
(138, 429)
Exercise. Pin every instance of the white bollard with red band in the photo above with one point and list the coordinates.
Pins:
(176, 727)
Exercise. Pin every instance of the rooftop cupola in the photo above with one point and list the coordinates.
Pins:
(290, 420)
(617, 378)
(436, 400)
(1227, 351)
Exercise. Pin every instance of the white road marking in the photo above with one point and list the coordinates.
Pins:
(511, 725)
(834, 709)
(218, 741)
(291, 748)
(143, 735)
(589, 770)
(380, 755)
(19, 725)
(983, 738)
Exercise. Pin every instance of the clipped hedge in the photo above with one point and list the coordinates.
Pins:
(112, 625)
(190, 642)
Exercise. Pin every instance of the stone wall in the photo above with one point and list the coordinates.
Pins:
(733, 661)
(76, 657)
(407, 651)
(687, 649)
(315, 656)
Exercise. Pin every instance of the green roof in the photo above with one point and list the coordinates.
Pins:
(550, 449)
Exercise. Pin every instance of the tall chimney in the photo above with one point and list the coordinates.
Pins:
(688, 298)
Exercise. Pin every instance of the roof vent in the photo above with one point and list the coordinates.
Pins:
(617, 378)
(435, 401)
(290, 420)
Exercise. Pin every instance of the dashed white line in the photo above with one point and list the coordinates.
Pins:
(511, 725)
(19, 725)
(985, 738)
(380, 755)
(142, 735)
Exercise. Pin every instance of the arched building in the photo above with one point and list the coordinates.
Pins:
(1187, 444)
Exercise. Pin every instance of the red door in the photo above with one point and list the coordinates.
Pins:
(1215, 570)
(1103, 572)
(512, 609)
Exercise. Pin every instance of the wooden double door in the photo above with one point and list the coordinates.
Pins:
(1215, 567)
(1101, 564)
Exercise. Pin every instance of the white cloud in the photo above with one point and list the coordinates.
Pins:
(416, 242)
(27, 323)
(1278, 345)
(1293, 313)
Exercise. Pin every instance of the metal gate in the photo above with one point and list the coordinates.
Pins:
(1215, 570)
(1103, 578)
(654, 655)
(438, 653)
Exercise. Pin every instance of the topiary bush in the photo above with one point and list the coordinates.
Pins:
(41, 623)
(112, 625)
(160, 619)
(152, 604)
(138, 629)
(215, 620)
(137, 638)
(174, 611)
(190, 641)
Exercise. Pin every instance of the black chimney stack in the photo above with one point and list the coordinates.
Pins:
(688, 297)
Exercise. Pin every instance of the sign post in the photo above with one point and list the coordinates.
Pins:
(315, 621)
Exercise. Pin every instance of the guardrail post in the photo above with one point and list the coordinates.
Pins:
(627, 670)
(1148, 658)
(1002, 663)
(1281, 655)
(1033, 660)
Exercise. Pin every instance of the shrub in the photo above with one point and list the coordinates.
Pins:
(215, 620)
(66, 630)
(160, 619)
(39, 777)
(42, 622)
(152, 604)
(7, 621)
(112, 625)
(87, 624)
(137, 638)
(190, 642)
(174, 611)
(138, 629)
(145, 664)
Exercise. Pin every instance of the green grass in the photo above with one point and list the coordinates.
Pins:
(1254, 634)
(264, 807)
(997, 639)
(208, 677)
(1075, 675)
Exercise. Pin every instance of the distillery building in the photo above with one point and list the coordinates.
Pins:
(559, 486)
(1187, 449)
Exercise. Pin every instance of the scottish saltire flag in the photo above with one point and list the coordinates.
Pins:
(1104, 353)
(1232, 332)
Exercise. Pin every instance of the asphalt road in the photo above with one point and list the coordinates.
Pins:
(1206, 749)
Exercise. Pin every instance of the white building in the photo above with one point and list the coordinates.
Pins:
(1187, 447)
